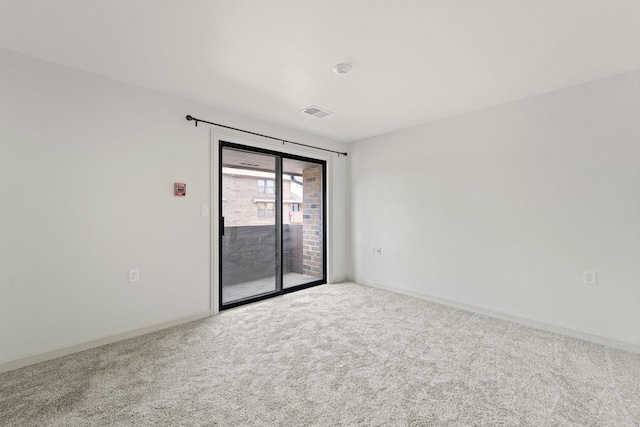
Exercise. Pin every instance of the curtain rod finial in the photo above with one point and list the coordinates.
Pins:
(190, 118)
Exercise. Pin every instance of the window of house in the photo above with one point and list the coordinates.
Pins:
(271, 211)
(266, 186)
(295, 207)
(261, 210)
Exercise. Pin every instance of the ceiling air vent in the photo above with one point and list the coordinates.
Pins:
(316, 112)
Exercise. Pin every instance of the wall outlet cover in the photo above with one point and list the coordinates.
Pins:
(134, 275)
(590, 277)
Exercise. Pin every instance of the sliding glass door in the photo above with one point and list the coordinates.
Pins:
(250, 235)
(272, 224)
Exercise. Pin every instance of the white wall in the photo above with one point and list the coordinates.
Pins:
(88, 166)
(505, 207)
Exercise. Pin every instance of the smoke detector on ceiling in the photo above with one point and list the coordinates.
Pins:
(342, 69)
(316, 111)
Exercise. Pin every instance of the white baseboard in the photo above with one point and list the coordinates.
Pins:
(587, 336)
(54, 353)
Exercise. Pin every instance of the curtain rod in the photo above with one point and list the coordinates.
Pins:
(191, 118)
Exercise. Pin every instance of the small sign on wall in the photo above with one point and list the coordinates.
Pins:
(180, 189)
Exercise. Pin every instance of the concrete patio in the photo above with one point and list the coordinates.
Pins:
(253, 288)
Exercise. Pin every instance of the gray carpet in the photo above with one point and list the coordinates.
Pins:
(332, 355)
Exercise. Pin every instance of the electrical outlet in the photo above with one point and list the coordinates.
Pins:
(378, 251)
(134, 275)
(204, 210)
(590, 277)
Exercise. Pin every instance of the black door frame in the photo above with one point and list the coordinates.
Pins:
(280, 289)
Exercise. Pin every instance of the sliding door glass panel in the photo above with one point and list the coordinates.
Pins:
(302, 222)
(251, 241)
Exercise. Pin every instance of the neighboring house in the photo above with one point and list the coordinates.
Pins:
(248, 198)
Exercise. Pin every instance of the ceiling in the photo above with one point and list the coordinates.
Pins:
(413, 60)
(240, 159)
